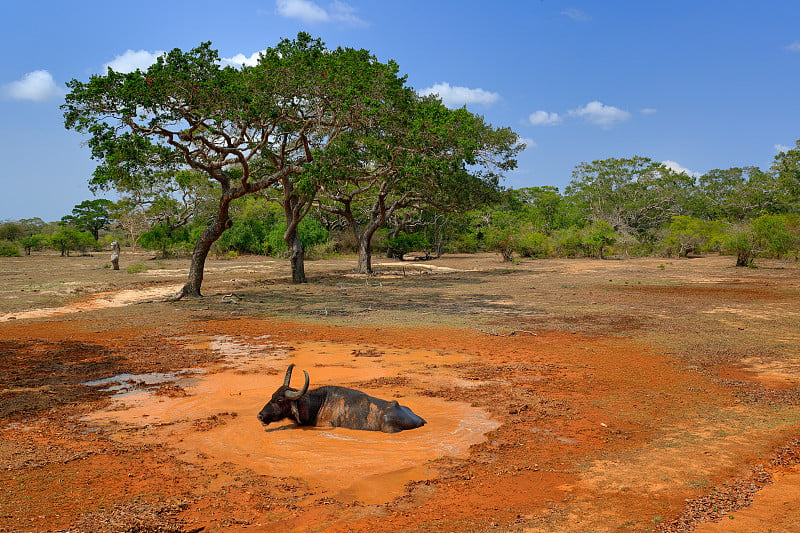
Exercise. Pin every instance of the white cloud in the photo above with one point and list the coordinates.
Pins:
(309, 11)
(37, 86)
(345, 13)
(649, 111)
(242, 60)
(782, 148)
(794, 47)
(453, 97)
(543, 118)
(576, 14)
(601, 114)
(528, 142)
(132, 60)
(679, 169)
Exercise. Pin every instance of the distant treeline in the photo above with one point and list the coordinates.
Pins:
(619, 207)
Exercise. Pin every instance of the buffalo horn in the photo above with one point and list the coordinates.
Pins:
(296, 395)
(288, 377)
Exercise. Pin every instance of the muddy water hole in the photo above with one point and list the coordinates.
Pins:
(559, 395)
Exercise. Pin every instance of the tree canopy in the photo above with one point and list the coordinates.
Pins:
(244, 129)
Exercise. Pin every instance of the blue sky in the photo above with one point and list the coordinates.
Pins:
(700, 84)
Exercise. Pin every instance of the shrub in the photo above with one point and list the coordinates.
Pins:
(597, 237)
(466, 243)
(776, 235)
(34, 242)
(9, 249)
(311, 234)
(686, 235)
(322, 250)
(740, 243)
(66, 239)
(534, 244)
(567, 242)
(404, 243)
(137, 268)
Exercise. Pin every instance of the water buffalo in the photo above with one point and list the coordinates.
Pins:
(336, 407)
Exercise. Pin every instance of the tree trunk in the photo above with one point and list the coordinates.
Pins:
(295, 208)
(296, 255)
(744, 258)
(209, 236)
(365, 254)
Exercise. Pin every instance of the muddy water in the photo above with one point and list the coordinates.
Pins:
(216, 420)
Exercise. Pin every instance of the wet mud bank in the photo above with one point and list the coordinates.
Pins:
(209, 414)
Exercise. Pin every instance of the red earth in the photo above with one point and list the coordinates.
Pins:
(560, 395)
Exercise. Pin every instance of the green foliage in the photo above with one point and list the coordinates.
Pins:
(168, 241)
(741, 243)
(776, 235)
(65, 239)
(406, 242)
(34, 242)
(597, 237)
(138, 268)
(534, 244)
(253, 219)
(503, 234)
(768, 236)
(91, 216)
(8, 249)
(311, 232)
(322, 250)
(567, 242)
(735, 194)
(786, 170)
(686, 235)
(635, 195)
(10, 231)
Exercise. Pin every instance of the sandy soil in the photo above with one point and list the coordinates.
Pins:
(560, 395)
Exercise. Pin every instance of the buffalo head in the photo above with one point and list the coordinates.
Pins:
(280, 405)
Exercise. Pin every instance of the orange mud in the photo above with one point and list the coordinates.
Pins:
(631, 397)
(366, 466)
(575, 413)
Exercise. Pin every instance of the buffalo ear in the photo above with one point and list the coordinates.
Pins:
(296, 395)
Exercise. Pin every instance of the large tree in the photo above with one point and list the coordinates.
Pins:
(786, 170)
(245, 129)
(736, 194)
(634, 195)
(427, 155)
(91, 216)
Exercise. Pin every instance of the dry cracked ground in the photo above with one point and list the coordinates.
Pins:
(560, 395)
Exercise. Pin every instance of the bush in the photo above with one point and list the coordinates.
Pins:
(9, 249)
(311, 234)
(180, 249)
(740, 243)
(34, 242)
(597, 237)
(567, 242)
(776, 235)
(503, 240)
(686, 235)
(168, 241)
(137, 268)
(534, 244)
(466, 243)
(406, 242)
(322, 250)
(66, 239)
